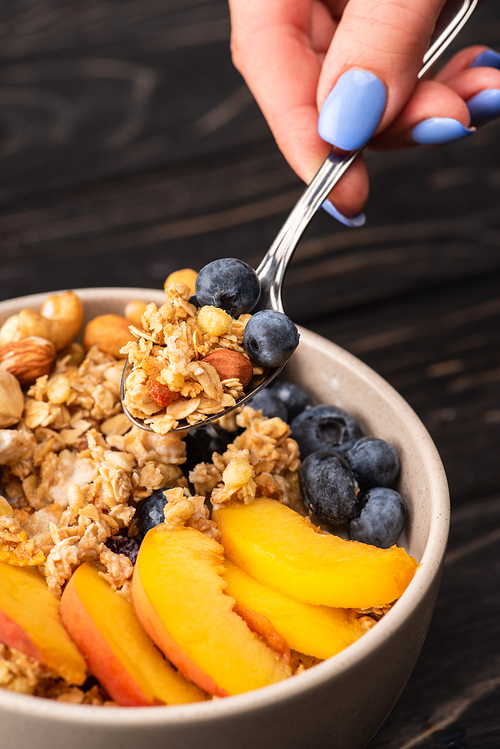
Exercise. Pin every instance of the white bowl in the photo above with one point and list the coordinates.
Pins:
(339, 703)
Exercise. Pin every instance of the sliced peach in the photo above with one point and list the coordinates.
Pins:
(178, 594)
(278, 547)
(30, 622)
(320, 631)
(117, 649)
(262, 625)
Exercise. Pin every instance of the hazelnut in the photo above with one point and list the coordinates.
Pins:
(28, 358)
(231, 365)
(185, 275)
(134, 311)
(11, 399)
(109, 333)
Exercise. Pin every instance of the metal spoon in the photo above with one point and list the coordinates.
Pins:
(271, 270)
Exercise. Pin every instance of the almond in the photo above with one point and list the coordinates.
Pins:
(28, 358)
(231, 365)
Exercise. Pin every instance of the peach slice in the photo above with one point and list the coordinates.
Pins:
(117, 649)
(262, 625)
(280, 548)
(319, 631)
(178, 594)
(30, 622)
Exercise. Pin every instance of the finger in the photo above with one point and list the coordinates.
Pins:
(434, 114)
(372, 66)
(470, 82)
(350, 194)
(322, 27)
(271, 49)
(480, 89)
(476, 56)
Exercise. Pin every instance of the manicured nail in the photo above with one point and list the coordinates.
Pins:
(352, 110)
(487, 59)
(438, 130)
(485, 106)
(355, 221)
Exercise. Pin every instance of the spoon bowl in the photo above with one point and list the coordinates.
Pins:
(272, 269)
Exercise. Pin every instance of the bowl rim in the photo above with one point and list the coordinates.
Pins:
(212, 710)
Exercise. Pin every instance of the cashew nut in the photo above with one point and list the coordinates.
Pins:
(59, 321)
(65, 314)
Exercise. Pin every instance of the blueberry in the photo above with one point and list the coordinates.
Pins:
(325, 428)
(374, 462)
(124, 545)
(228, 283)
(380, 518)
(328, 487)
(270, 404)
(294, 398)
(150, 513)
(202, 442)
(270, 338)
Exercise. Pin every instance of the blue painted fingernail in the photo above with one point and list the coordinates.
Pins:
(355, 221)
(439, 130)
(485, 106)
(487, 59)
(352, 110)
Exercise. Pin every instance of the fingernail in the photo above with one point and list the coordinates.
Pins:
(355, 221)
(485, 106)
(352, 110)
(438, 130)
(487, 59)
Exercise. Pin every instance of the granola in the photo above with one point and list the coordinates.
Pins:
(74, 470)
(75, 485)
(26, 675)
(169, 379)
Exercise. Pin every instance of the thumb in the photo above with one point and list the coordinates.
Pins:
(372, 66)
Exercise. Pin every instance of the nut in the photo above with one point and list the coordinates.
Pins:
(231, 364)
(59, 320)
(28, 358)
(109, 333)
(10, 330)
(186, 276)
(65, 315)
(11, 399)
(134, 311)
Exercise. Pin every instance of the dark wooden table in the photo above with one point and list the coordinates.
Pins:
(130, 147)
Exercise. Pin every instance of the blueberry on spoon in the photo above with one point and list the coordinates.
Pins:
(228, 283)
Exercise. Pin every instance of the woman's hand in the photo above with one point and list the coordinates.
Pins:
(356, 63)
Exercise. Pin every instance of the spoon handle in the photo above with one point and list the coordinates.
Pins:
(271, 270)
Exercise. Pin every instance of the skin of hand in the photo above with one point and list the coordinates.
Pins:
(292, 54)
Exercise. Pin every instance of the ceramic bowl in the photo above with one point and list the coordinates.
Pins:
(340, 703)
